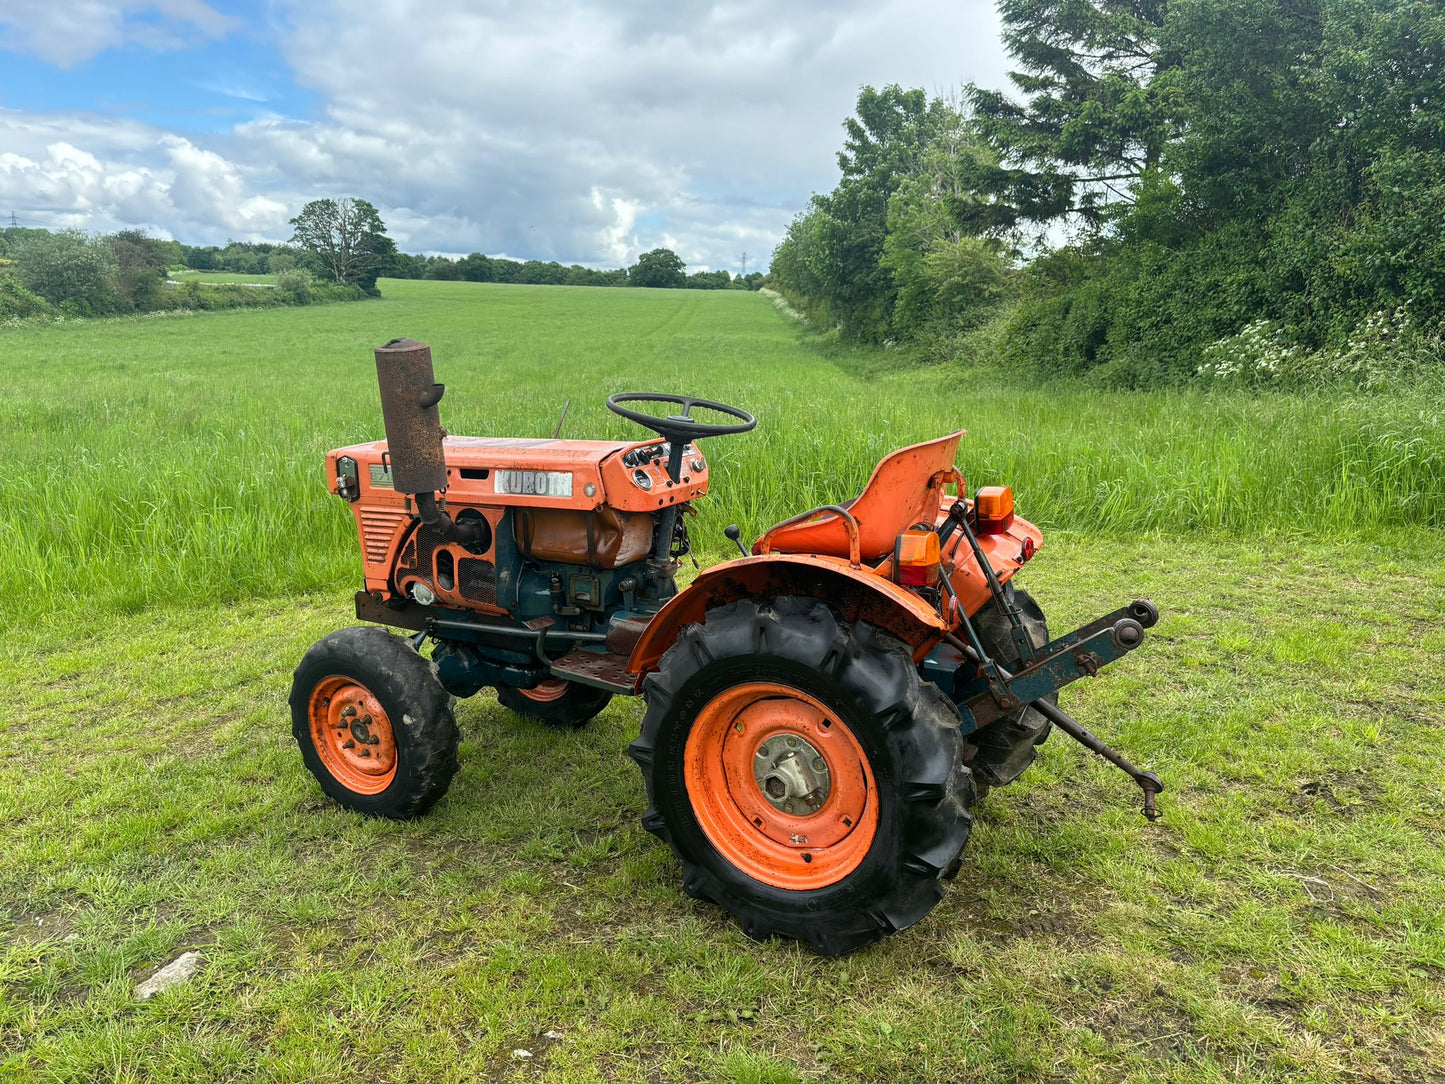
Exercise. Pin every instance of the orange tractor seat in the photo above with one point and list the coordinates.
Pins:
(903, 490)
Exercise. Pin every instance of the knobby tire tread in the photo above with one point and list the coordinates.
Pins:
(420, 711)
(911, 732)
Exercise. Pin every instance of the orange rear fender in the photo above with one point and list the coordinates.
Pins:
(860, 593)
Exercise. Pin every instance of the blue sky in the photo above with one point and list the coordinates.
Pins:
(585, 131)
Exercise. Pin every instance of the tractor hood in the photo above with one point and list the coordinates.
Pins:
(543, 473)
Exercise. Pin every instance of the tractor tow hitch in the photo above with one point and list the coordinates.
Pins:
(1148, 782)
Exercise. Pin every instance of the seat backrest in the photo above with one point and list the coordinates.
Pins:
(896, 497)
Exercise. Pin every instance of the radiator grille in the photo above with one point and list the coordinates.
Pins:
(378, 528)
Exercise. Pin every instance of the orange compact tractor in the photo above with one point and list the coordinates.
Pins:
(822, 712)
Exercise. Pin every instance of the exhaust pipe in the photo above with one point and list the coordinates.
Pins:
(409, 398)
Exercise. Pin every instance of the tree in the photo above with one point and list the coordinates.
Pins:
(69, 269)
(141, 268)
(659, 268)
(832, 258)
(347, 238)
(709, 280)
(1103, 102)
(476, 268)
(945, 278)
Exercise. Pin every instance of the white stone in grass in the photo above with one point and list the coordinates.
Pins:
(177, 971)
(520, 1053)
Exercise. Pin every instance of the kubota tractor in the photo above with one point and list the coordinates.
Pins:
(821, 713)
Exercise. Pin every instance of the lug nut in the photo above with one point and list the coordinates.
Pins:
(762, 750)
(819, 764)
(348, 744)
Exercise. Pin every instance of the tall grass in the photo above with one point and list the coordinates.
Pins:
(182, 459)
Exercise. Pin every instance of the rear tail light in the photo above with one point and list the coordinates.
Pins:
(994, 507)
(915, 558)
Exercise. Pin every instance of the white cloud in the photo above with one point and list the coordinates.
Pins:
(128, 174)
(584, 132)
(67, 32)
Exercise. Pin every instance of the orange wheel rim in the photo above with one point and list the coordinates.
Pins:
(780, 786)
(353, 735)
(545, 693)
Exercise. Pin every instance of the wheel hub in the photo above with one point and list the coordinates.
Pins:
(353, 735)
(792, 774)
(780, 785)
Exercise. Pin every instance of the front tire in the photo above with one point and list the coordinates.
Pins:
(808, 780)
(556, 702)
(374, 724)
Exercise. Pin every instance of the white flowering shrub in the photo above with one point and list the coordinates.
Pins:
(1378, 352)
(1259, 354)
(1385, 348)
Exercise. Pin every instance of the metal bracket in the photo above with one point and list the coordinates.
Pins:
(958, 513)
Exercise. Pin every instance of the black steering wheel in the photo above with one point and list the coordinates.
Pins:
(679, 428)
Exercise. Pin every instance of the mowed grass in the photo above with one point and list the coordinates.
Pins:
(170, 551)
(1283, 922)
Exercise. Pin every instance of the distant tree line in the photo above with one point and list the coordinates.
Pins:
(338, 251)
(262, 258)
(71, 273)
(1175, 190)
(659, 268)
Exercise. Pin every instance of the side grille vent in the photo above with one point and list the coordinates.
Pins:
(378, 528)
(477, 581)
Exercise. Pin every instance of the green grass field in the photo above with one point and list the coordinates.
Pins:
(170, 551)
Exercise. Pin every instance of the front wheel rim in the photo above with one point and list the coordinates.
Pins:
(353, 735)
(781, 786)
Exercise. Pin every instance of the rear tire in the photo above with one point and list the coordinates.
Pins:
(555, 702)
(740, 708)
(1009, 745)
(374, 725)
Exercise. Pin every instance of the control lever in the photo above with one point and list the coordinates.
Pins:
(731, 530)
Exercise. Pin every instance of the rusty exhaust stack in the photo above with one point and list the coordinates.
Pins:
(409, 398)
